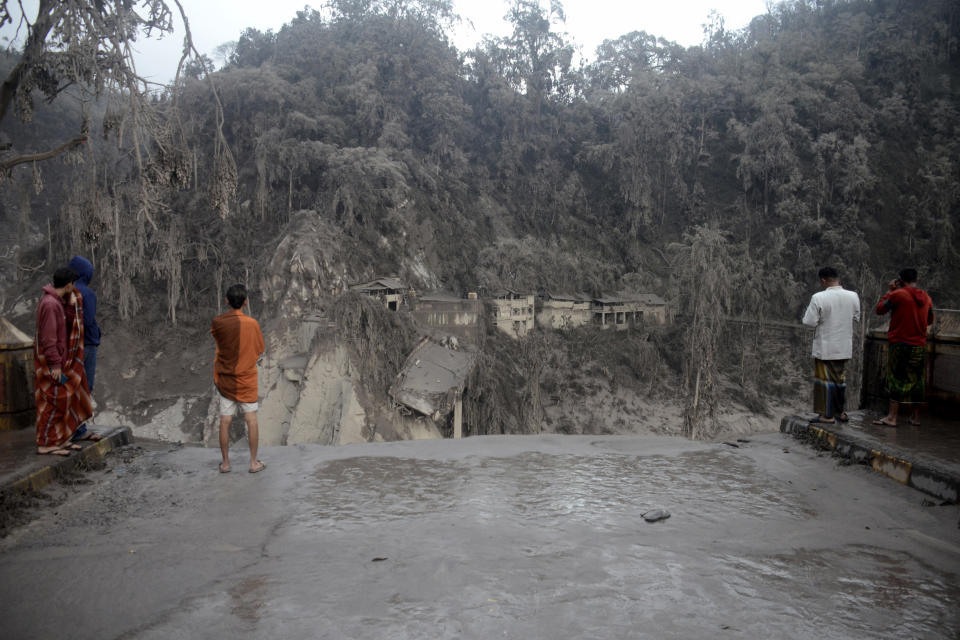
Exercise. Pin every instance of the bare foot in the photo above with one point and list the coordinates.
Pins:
(884, 422)
(224, 468)
(53, 451)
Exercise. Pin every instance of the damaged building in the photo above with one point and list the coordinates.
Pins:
(429, 388)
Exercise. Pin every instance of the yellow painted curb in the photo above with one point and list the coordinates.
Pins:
(891, 467)
(822, 434)
(95, 451)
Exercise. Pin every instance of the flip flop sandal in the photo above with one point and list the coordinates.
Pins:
(263, 465)
(222, 470)
(92, 436)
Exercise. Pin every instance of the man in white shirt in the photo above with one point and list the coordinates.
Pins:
(832, 312)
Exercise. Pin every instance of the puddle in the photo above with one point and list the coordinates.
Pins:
(543, 546)
(534, 486)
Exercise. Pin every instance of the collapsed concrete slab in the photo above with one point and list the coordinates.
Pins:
(431, 384)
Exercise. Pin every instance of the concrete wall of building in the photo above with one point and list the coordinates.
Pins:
(564, 314)
(654, 314)
(623, 316)
(514, 317)
(460, 318)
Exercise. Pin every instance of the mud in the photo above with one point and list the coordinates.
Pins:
(538, 537)
(17, 508)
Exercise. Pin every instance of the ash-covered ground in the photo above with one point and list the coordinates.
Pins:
(508, 536)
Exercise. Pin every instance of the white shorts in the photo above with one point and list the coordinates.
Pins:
(228, 407)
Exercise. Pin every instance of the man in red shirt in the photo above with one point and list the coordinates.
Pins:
(239, 347)
(911, 312)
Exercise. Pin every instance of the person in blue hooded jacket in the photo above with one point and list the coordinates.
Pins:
(91, 331)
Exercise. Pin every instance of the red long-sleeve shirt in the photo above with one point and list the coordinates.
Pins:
(54, 318)
(911, 312)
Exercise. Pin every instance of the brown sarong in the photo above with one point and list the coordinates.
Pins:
(62, 407)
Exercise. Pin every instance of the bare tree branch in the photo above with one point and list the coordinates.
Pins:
(6, 165)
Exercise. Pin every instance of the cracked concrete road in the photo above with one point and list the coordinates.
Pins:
(512, 537)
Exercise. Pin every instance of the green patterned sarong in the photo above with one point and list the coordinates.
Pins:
(906, 369)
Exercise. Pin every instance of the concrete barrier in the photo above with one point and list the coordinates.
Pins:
(39, 478)
(923, 476)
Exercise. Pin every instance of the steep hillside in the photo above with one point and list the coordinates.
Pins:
(365, 144)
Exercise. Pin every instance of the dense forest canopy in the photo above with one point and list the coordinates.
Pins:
(823, 133)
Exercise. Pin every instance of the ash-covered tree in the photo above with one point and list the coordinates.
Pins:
(707, 278)
(117, 202)
(80, 46)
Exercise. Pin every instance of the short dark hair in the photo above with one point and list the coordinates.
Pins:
(64, 276)
(829, 273)
(908, 275)
(236, 295)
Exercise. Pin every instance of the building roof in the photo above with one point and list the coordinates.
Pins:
(644, 298)
(568, 297)
(429, 374)
(379, 285)
(650, 299)
(440, 296)
(608, 300)
(506, 293)
(13, 338)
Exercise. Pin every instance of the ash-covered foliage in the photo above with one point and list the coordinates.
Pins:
(825, 132)
(379, 340)
(514, 380)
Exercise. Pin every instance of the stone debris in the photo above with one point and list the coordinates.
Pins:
(655, 515)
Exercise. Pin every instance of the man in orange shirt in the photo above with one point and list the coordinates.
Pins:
(239, 347)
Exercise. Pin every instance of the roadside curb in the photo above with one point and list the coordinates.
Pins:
(112, 439)
(924, 477)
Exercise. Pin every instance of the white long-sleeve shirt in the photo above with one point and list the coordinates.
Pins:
(833, 312)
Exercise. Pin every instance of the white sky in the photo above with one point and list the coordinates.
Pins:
(589, 22)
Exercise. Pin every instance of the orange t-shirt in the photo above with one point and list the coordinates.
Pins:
(239, 345)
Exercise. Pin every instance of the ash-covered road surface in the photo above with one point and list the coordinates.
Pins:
(493, 537)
